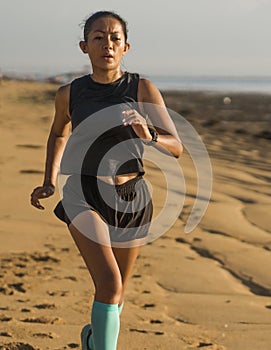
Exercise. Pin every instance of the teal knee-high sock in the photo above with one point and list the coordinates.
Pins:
(105, 326)
(90, 339)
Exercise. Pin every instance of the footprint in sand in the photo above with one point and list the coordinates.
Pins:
(156, 321)
(29, 146)
(31, 171)
(44, 320)
(45, 306)
(148, 305)
(73, 346)
(39, 257)
(11, 288)
(54, 249)
(20, 274)
(145, 331)
(138, 330)
(17, 287)
(48, 268)
(59, 293)
(66, 250)
(203, 344)
(71, 278)
(25, 310)
(147, 265)
(6, 334)
(4, 308)
(22, 301)
(17, 346)
(21, 266)
(50, 246)
(4, 318)
(49, 335)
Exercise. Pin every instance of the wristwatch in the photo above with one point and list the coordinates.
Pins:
(154, 135)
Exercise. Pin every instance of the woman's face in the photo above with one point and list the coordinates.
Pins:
(105, 44)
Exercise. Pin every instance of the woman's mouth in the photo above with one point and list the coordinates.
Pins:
(108, 57)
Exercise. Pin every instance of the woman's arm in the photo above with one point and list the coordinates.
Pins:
(151, 103)
(57, 139)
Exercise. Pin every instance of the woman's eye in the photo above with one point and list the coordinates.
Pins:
(116, 39)
(98, 38)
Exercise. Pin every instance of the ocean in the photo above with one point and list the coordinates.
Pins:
(254, 84)
(213, 84)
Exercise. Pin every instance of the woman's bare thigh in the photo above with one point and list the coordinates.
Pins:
(109, 267)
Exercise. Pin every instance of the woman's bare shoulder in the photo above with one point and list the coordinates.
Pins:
(62, 101)
(148, 92)
(63, 92)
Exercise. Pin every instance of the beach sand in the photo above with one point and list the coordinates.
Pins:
(208, 289)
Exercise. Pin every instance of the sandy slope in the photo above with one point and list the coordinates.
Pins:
(207, 289)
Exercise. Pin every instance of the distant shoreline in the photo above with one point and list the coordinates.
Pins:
(200, 83)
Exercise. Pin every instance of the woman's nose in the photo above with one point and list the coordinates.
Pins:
(107, 43)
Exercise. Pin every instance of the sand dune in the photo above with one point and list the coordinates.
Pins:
(208, 289)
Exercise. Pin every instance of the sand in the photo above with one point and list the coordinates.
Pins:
(208, 289)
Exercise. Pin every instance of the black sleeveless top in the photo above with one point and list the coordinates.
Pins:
(100, 144)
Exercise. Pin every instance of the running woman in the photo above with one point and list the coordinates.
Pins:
(107, 229)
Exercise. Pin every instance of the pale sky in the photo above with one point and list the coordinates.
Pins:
(173, 37)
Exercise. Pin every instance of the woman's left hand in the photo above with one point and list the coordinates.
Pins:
(138, 123)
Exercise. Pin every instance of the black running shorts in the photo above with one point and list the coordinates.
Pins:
(127, 208)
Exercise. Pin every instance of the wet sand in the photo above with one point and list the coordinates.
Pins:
(206, 289)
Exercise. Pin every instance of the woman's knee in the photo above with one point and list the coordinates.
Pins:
(110, 289)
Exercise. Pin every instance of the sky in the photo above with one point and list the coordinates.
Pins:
(168, 38)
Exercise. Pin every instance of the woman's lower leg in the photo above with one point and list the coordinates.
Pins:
(110, 269)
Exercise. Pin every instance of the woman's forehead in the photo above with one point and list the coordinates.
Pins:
(107, 24)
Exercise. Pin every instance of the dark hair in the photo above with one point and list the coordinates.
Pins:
(100, 14)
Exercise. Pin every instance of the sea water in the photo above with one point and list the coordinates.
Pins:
(213, 84)
(257, 84)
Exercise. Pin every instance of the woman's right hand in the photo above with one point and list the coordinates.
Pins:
(40, 192)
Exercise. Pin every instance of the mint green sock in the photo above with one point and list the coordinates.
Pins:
(90, 339)
(105, 326)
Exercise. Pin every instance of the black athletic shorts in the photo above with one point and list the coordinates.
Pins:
(127, 208)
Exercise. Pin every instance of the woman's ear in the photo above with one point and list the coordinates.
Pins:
(83, 46)
(126, 48)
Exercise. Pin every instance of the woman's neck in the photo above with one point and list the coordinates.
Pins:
(105, 77)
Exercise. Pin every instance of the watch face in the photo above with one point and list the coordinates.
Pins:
(154, 135)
